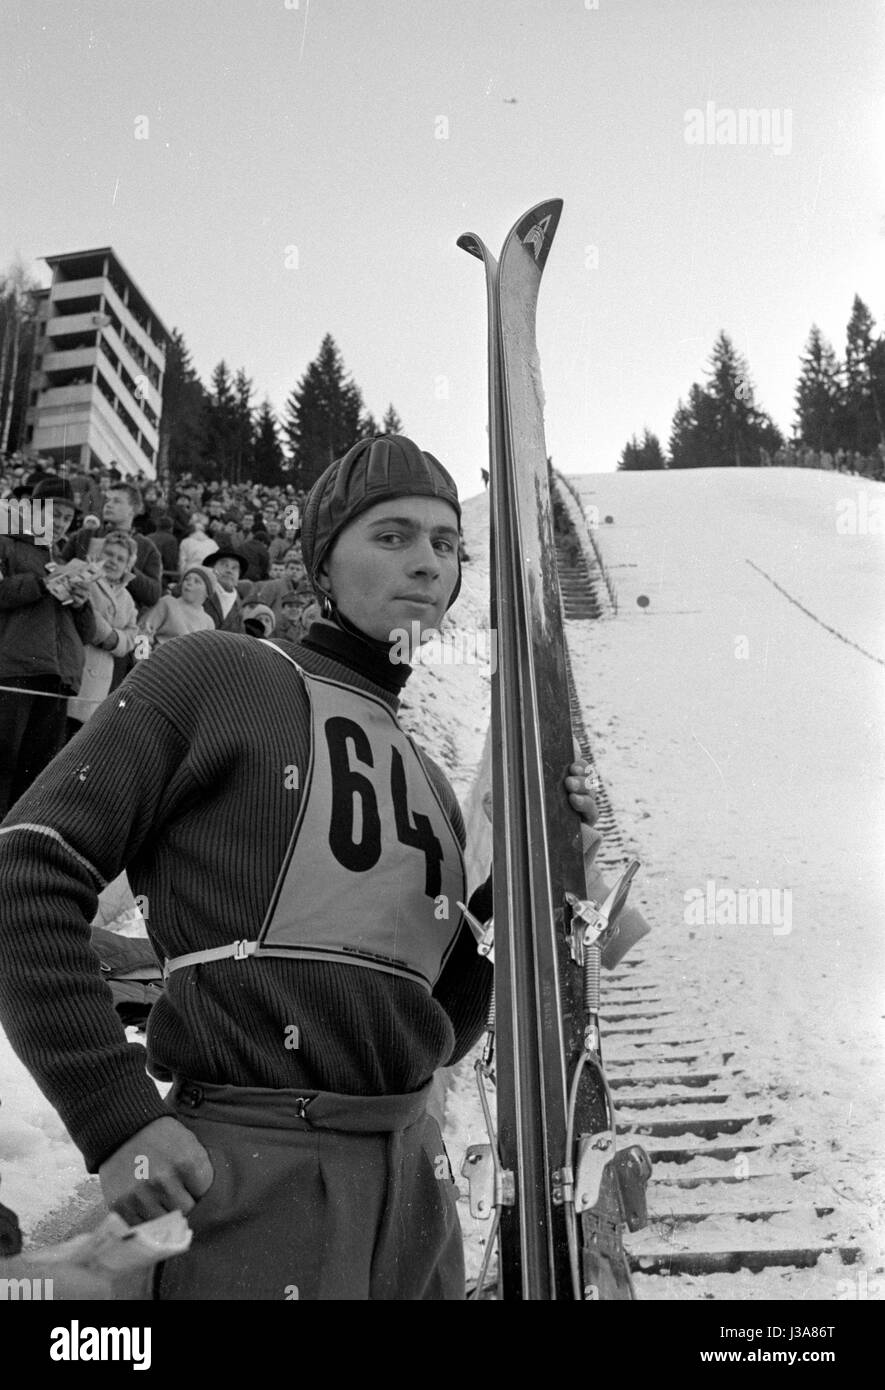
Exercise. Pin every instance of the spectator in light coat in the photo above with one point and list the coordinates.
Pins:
(122, 502)
(116, 628)
(195, 547)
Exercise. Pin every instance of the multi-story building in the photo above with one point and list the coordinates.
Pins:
(97, 381)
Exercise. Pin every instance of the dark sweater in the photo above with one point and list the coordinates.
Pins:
(180, 778)
(38, 635)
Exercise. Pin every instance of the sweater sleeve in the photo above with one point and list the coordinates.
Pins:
(464, 988)
(84, 819)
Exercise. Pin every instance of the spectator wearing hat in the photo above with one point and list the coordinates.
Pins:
(122, 503)
(181, 614)
(42, 642)
(298, 612)
(258, 619)
(228, 565)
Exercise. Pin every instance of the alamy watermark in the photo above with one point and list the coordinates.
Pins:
(724, 125)
(739, 907)
(417, 646)
(27, 518)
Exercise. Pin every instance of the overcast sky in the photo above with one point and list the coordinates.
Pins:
(369, 133)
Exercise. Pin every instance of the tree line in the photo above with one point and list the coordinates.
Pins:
(212, 432)
(840, 404)
(219, 433)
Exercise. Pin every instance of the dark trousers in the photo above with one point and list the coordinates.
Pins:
(351, 1202)
(32, 730)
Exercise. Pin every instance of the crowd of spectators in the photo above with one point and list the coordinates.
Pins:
(798, 455)
(97, 569)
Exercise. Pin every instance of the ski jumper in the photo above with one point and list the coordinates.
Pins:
(206, 775)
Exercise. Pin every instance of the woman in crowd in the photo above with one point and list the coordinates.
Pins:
(116, 627)
(177, 616)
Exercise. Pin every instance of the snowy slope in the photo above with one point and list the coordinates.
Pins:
(742, 743)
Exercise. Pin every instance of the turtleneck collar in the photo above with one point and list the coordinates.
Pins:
(366, 655)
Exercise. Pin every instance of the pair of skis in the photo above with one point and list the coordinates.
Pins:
(551, 1178)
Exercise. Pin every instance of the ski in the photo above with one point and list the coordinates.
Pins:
(559, 1192)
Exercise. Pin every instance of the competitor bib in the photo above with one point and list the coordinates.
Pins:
(374, 871)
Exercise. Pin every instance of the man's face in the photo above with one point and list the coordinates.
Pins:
(118, 509)
(62, 514)
(215, 508)
(227, 571)
(272, 527)
(277, 569)
(394, 565)
(231, 528)
(248, 522)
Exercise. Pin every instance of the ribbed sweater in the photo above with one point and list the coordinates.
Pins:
(180, 778)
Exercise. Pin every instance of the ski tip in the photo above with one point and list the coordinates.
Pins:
(536, 229)
(471, 243)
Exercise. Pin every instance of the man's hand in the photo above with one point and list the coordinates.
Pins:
(580, 784)
(161, 1168)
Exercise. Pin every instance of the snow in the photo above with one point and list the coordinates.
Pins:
(741, 743)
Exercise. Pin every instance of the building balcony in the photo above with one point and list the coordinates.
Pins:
(70, 360)
(134, 367)
(63, 397)
(78, 289)
(141, 337)
(125, 404)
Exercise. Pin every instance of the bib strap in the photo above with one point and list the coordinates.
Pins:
(239, 950)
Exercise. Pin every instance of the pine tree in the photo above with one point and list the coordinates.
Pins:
(819, 395)
(243, 428)
(368, 426)
(864, 381)
(267, 451)
(391, 424)
(693, 432)
(184, 419)
(742, 428)
(323, 415)
(18, 328)
(629, 462)
(721, 426)
(222, 424)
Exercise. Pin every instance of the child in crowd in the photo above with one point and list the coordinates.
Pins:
(177, 616)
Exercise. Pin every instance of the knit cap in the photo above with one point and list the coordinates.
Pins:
(374, 469)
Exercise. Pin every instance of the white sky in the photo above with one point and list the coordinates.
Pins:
(313, 124)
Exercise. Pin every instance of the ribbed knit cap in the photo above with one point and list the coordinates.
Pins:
(374, 469)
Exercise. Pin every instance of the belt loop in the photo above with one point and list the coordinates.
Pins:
(240, 951)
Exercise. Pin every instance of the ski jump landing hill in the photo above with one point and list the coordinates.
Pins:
(732, 692)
